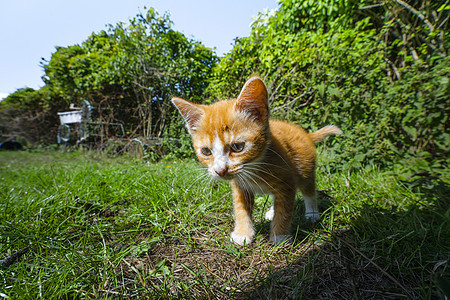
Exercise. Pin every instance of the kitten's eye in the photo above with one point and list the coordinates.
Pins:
(206, 151)
(237, 147)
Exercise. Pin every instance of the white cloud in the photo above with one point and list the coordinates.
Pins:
(3, 95)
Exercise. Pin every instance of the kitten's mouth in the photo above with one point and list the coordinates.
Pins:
(228, 177)
(224, 177)
(223, 174)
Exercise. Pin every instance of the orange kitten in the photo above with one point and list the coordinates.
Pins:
(237, 141)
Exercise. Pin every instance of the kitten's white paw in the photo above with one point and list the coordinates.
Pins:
(241, 239)
(270, 213)
(280, 239)
(312, 216)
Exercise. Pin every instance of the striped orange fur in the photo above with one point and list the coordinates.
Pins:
(238, 141)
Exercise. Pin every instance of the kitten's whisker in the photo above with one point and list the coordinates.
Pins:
(262, 178)
(210, 185)
(247, 186)
(262, 164)
(243, 182)
(260, 169)
(294, 188)
(188, 173)
(206, 183)
(200, 177)
(256, 183)
(268, 148)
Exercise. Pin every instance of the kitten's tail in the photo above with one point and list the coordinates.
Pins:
(322, 133)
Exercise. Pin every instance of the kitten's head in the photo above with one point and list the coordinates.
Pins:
(229, 133)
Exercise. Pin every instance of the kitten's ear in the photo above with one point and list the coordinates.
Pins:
(191, 112)
(253, 99)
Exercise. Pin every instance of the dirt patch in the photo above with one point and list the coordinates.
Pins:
(314, 269)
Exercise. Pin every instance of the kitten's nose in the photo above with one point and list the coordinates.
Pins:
(222, 172)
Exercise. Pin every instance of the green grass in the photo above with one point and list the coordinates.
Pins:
(99, 227)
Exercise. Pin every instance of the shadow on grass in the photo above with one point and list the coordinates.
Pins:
(382, 254)
(379, 253)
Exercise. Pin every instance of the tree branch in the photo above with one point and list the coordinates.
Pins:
(417, 13)
(397, 73)
(13, 257)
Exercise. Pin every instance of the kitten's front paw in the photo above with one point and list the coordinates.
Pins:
(280, 239)
(312, 216)
(270, 213)
(241, 239)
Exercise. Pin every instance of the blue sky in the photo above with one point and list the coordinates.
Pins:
(31, 29)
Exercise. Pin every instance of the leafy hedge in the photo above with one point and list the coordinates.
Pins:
(128, 72)
(378, 70)
(334, 63)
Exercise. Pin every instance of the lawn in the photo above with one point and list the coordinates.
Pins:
(92, 226)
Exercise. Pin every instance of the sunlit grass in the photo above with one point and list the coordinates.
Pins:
(99, 227)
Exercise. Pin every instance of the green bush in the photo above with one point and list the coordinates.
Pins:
(348, 69)
(177, 141)
(128, 73)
